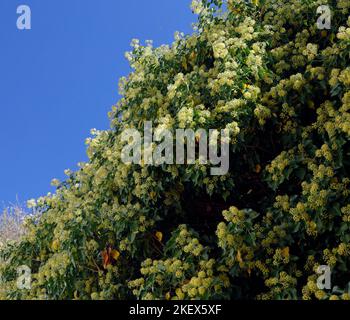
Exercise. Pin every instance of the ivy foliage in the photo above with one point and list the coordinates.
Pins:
(124, 231)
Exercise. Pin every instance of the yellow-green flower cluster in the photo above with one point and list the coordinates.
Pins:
(279, 286)
(191, 276)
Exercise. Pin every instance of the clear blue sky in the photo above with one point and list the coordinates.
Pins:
(59, 80)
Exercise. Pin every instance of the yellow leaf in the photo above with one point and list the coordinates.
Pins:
(285, 252)
(239, 257)
(258, 168)
(256, 2)
(115, 254)
(159, 236)
(55, 245)
(152, 195)
(193, 56)
(167, 296)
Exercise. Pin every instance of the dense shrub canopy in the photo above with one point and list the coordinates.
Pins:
(282, 86)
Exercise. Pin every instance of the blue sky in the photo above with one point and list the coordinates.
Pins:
(59, 80)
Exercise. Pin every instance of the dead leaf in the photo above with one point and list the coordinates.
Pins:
(285, 252)
(258, 168)
(108, 255)
(159, 236)
(239, 257)
(106, 258)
